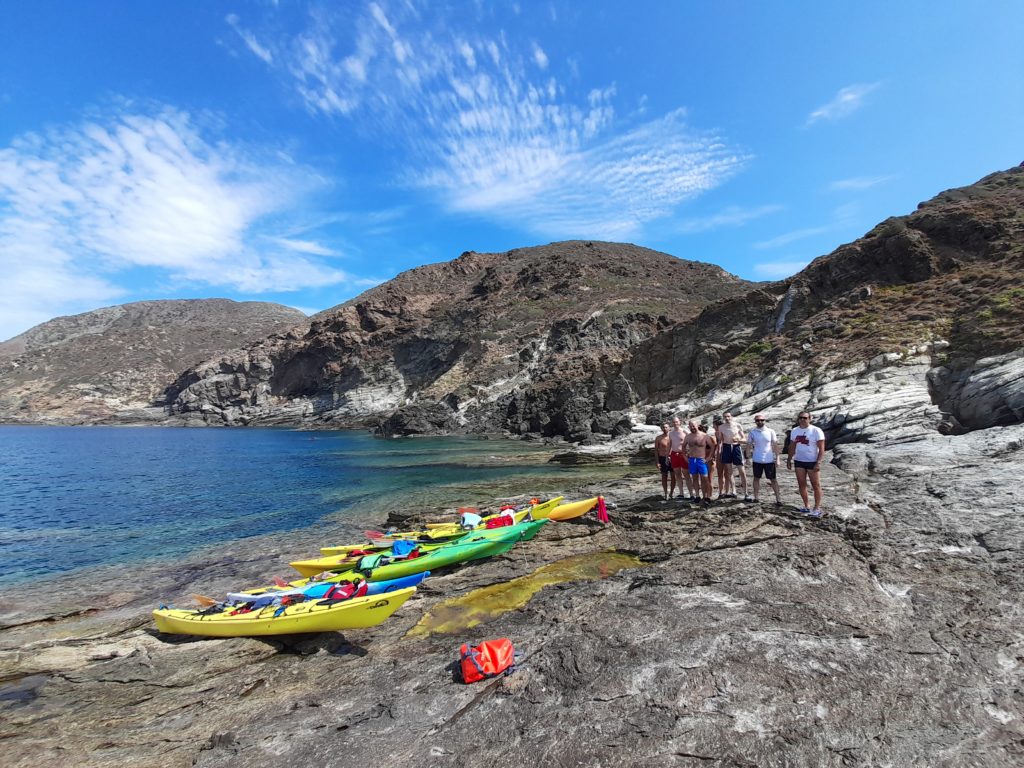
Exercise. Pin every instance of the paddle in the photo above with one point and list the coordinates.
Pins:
(205, 601)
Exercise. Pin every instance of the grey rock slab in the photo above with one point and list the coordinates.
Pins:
(887, 633)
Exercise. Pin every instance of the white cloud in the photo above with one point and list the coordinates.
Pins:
(732, 216)
(303, 246)
(250, 40)
(847, 101)
(487, 126)
(858, 183)
(123, 192)
(790, 237)
(776, 270)
(539, 57)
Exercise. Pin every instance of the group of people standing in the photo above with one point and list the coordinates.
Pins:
(689, 458)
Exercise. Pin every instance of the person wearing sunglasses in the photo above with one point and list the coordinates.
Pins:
(806, 450)
(764, 450)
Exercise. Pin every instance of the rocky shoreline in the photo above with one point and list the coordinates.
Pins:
(888, 633)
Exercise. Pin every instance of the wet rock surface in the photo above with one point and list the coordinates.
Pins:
(887, 633)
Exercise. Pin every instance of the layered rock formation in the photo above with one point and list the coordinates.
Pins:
(116, 363)
(489, 341)
(581, 339)
(948, 278)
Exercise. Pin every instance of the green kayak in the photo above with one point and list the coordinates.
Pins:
(473, 546)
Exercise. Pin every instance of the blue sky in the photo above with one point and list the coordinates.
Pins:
(304, 152)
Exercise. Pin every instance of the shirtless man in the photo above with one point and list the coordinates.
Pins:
(677, 457)
(662, 451)
(695, 446)
(731, 437)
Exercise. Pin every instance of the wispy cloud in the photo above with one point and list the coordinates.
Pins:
(142, 189)
(732, 216)
(776, 270)
(496, 127)
(858, 183)
(250, 40)
(790, 237)
(303, 246)
(847, 101)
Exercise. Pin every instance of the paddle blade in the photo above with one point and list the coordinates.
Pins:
(278, 581)
(204, 601)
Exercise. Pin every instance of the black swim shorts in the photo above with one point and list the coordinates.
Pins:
(665, 465)
(768, 470)
(805, 464)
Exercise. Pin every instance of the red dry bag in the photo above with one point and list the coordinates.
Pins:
(489, 659)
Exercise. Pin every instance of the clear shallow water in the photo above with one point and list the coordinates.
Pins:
(75, 497)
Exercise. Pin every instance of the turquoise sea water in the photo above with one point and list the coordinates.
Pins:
(75, 497)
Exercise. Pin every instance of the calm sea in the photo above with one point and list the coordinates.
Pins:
(75, 497)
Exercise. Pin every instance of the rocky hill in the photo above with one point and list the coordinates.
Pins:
(946, 281)
(115, 363)
(586, 340)
(488, 341)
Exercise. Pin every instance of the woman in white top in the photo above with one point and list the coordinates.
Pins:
(807, 449)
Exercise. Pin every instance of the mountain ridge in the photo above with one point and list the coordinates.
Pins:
(114, 363)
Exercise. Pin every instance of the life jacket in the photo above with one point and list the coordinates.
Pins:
(489, 659)
(501, 521)
(344, 590)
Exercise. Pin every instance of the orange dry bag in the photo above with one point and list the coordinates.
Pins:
(489, 659)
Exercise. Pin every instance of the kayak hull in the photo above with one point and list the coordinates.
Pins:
(309, 616)
(572, 510)
(475, 545)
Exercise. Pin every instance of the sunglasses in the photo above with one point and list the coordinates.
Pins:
(759, 421)
(804, 417)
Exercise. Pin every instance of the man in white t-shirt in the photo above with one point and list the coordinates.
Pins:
(764, 449)
(807, 449)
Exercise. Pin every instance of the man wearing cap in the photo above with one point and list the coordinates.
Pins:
(807, 449)
(764, 449)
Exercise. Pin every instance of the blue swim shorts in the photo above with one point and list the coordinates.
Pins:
(698, 467)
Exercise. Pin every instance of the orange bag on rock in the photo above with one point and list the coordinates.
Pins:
(489, 659)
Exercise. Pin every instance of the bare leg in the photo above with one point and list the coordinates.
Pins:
(743, 479)
(721, 479)
(664, 483)
(757, 487)
(706, 483)
(816, 484)
(775, 487)
(801, 481)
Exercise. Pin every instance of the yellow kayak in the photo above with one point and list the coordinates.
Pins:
(441, 532)
(573, 509)
(309, 616)
(537, 512)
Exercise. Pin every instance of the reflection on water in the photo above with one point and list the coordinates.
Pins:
(484, 604)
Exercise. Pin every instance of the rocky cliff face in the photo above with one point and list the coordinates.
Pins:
(488, 341)
(948, 278)
(116, 363)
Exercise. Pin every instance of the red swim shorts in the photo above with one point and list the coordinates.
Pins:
(678, 459)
